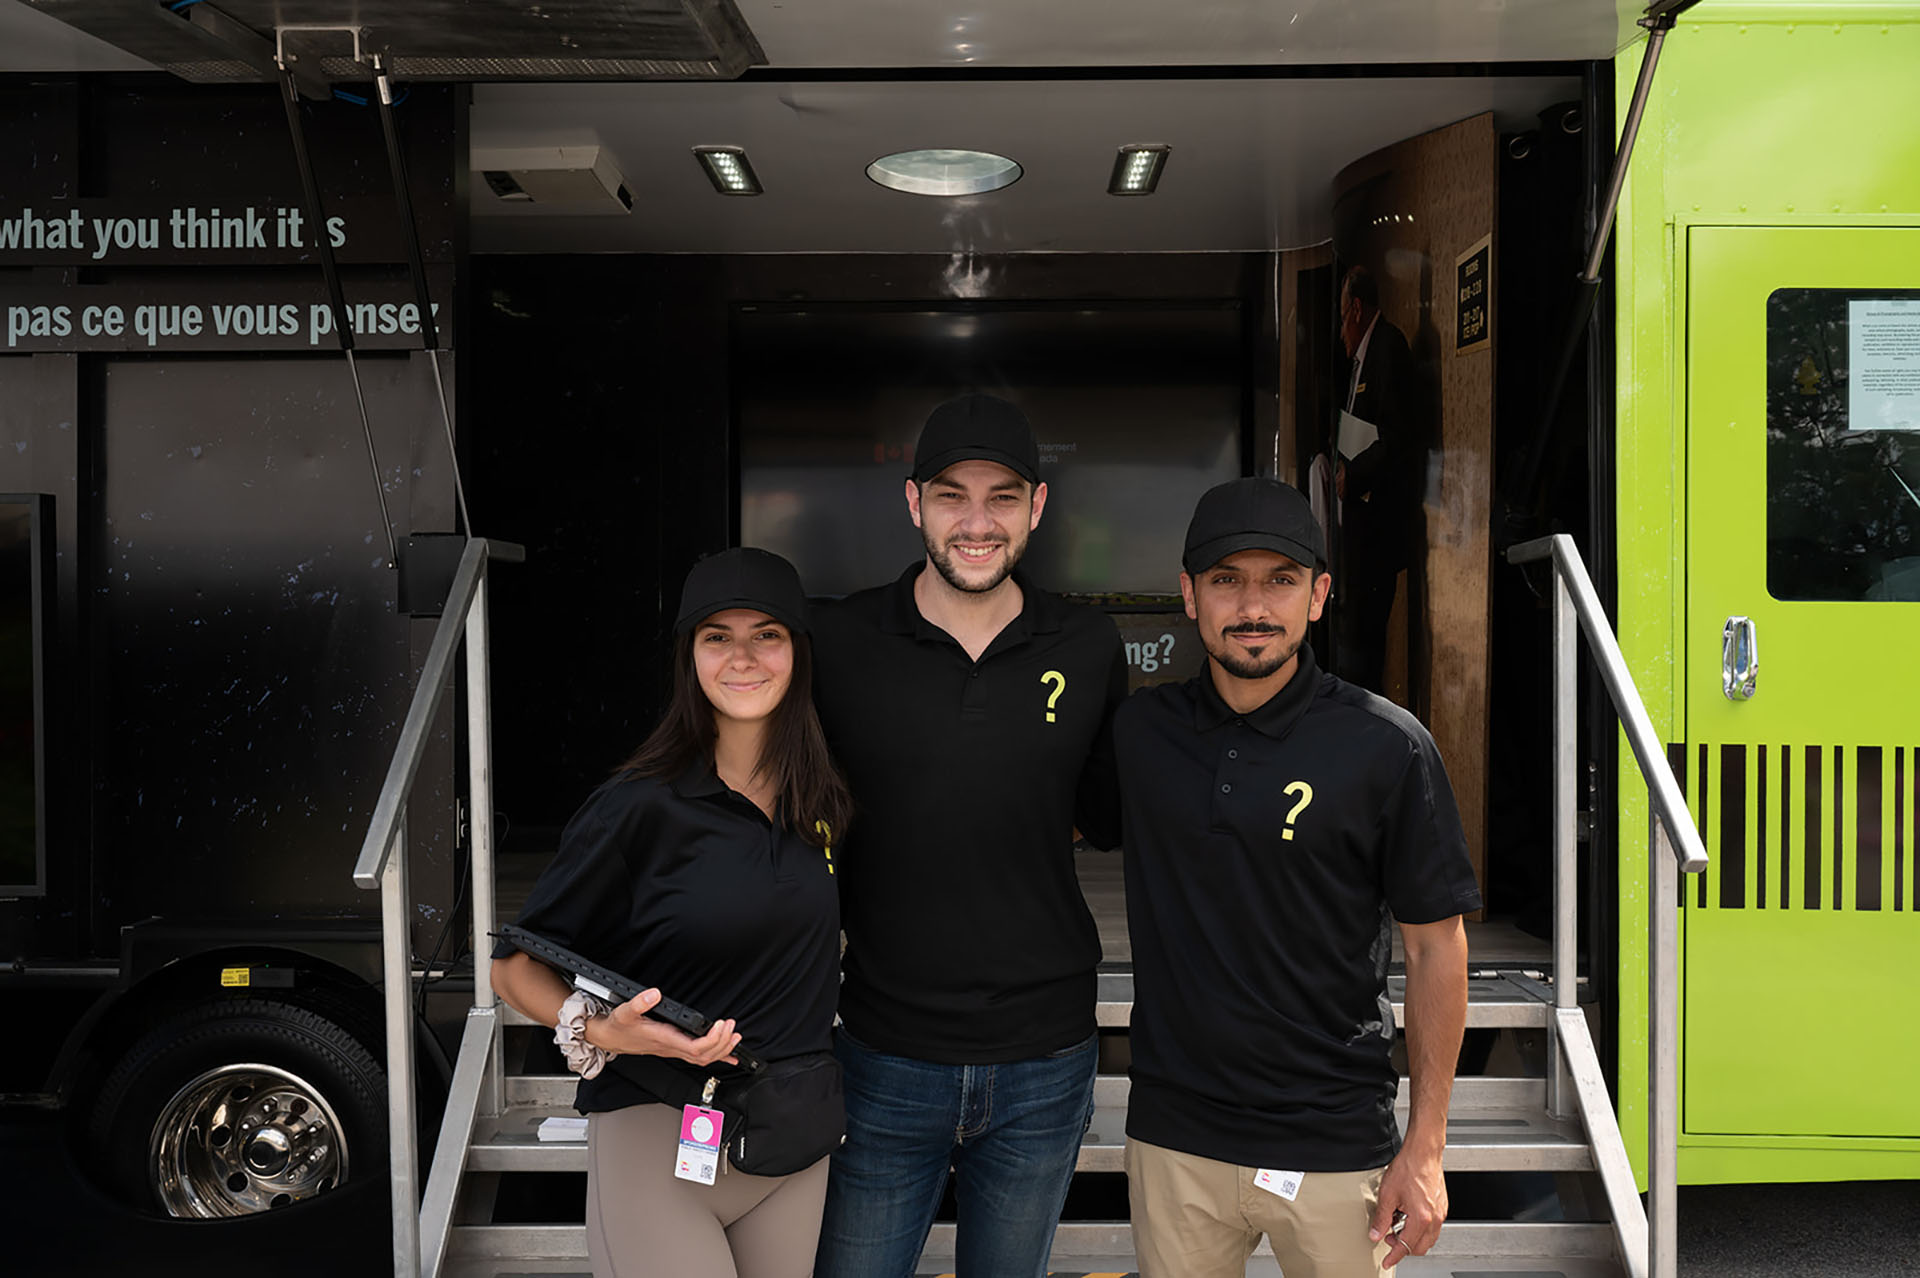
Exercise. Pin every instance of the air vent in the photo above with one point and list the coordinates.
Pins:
(570, 179)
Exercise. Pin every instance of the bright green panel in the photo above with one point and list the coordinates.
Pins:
(1776, 118)
(1726, 1161)
(1781, 1040)
(1819, 679)
(1752, 120)
(1815, 1062)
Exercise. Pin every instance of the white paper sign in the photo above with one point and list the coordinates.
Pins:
(1883, 364)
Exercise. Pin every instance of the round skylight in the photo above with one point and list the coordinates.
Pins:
(944, 172)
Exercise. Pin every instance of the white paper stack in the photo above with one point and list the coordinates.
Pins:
(559, 1128)
(1356, 435)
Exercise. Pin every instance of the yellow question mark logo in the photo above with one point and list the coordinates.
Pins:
(1058, 682)
(1305, 792)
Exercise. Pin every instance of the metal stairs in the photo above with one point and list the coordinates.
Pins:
(1495, 1124)
(1556, 1120)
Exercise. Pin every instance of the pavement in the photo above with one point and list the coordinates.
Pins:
(1859, 1229)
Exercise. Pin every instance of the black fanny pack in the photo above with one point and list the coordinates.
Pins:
(780, 1120)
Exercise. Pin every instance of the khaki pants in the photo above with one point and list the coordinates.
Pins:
(642, 1220)
(1194, 1217)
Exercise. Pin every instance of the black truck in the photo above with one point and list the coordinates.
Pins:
(206, 653)
(223, 543)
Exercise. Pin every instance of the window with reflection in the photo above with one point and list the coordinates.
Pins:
(1843, 444)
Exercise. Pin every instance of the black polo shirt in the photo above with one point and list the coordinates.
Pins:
(1261, 1025)
(968, 941)
(687, 886)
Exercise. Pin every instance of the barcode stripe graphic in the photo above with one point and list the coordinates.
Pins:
(1786, 827)
(1677, 762)
(1733, 827)
(1812, 894)
(1848, 843)
(1760, 828)
(1839, 826)
(1701, 815)
(1866, 866)
(1899, 821)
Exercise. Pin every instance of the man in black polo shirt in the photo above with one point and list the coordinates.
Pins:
(1276, 818)
(964, 703)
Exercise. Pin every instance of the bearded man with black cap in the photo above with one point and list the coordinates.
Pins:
(1275, 819)
(971, 711)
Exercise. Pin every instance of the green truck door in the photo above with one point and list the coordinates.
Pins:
(1802, 941)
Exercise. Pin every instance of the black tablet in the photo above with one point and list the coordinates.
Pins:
(615, 988)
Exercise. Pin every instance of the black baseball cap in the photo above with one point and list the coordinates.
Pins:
(744, 577)
(976, 428)
(1255, 513)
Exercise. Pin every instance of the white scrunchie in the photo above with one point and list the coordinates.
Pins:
(583, 1058)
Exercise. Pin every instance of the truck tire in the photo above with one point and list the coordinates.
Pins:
(240, 1106)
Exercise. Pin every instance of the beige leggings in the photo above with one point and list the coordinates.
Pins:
(642, 1220)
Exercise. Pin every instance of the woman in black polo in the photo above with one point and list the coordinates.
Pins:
(702, 868)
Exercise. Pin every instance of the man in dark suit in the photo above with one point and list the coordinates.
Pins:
(1380, 487)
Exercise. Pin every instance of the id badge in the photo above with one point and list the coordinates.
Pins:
(1284, 1183)
(698, 1158)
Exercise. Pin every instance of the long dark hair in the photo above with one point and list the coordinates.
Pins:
(810, 795)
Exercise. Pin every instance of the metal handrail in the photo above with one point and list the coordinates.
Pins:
(1574, 1044)
(1670, 834)
(383, 865)
(479, 1056)
(1662, 787)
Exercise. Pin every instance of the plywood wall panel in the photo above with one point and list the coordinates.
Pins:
(1409, 213)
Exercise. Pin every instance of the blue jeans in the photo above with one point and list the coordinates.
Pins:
(1010, 1133)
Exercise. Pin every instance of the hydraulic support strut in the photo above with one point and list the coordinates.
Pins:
(290, 96)
(1659, 20)
(416, 266)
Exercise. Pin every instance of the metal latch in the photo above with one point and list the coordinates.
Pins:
(1739, 659)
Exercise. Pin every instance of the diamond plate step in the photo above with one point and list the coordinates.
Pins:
(1493, 1124)
(1545, 1250)
(1494, 1001)
(1568, 1250)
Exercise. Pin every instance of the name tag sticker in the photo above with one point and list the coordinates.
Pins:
(698, 1158)
(1284, 1183)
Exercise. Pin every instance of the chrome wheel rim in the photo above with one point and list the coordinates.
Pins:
(243, 1139)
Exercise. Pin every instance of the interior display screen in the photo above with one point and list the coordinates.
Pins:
(20, 806)
(1137, 411)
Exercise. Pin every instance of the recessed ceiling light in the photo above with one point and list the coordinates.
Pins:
(1136, 169)
(944, 172)
(728, 169)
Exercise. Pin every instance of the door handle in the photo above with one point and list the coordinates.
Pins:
(1739, 659)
